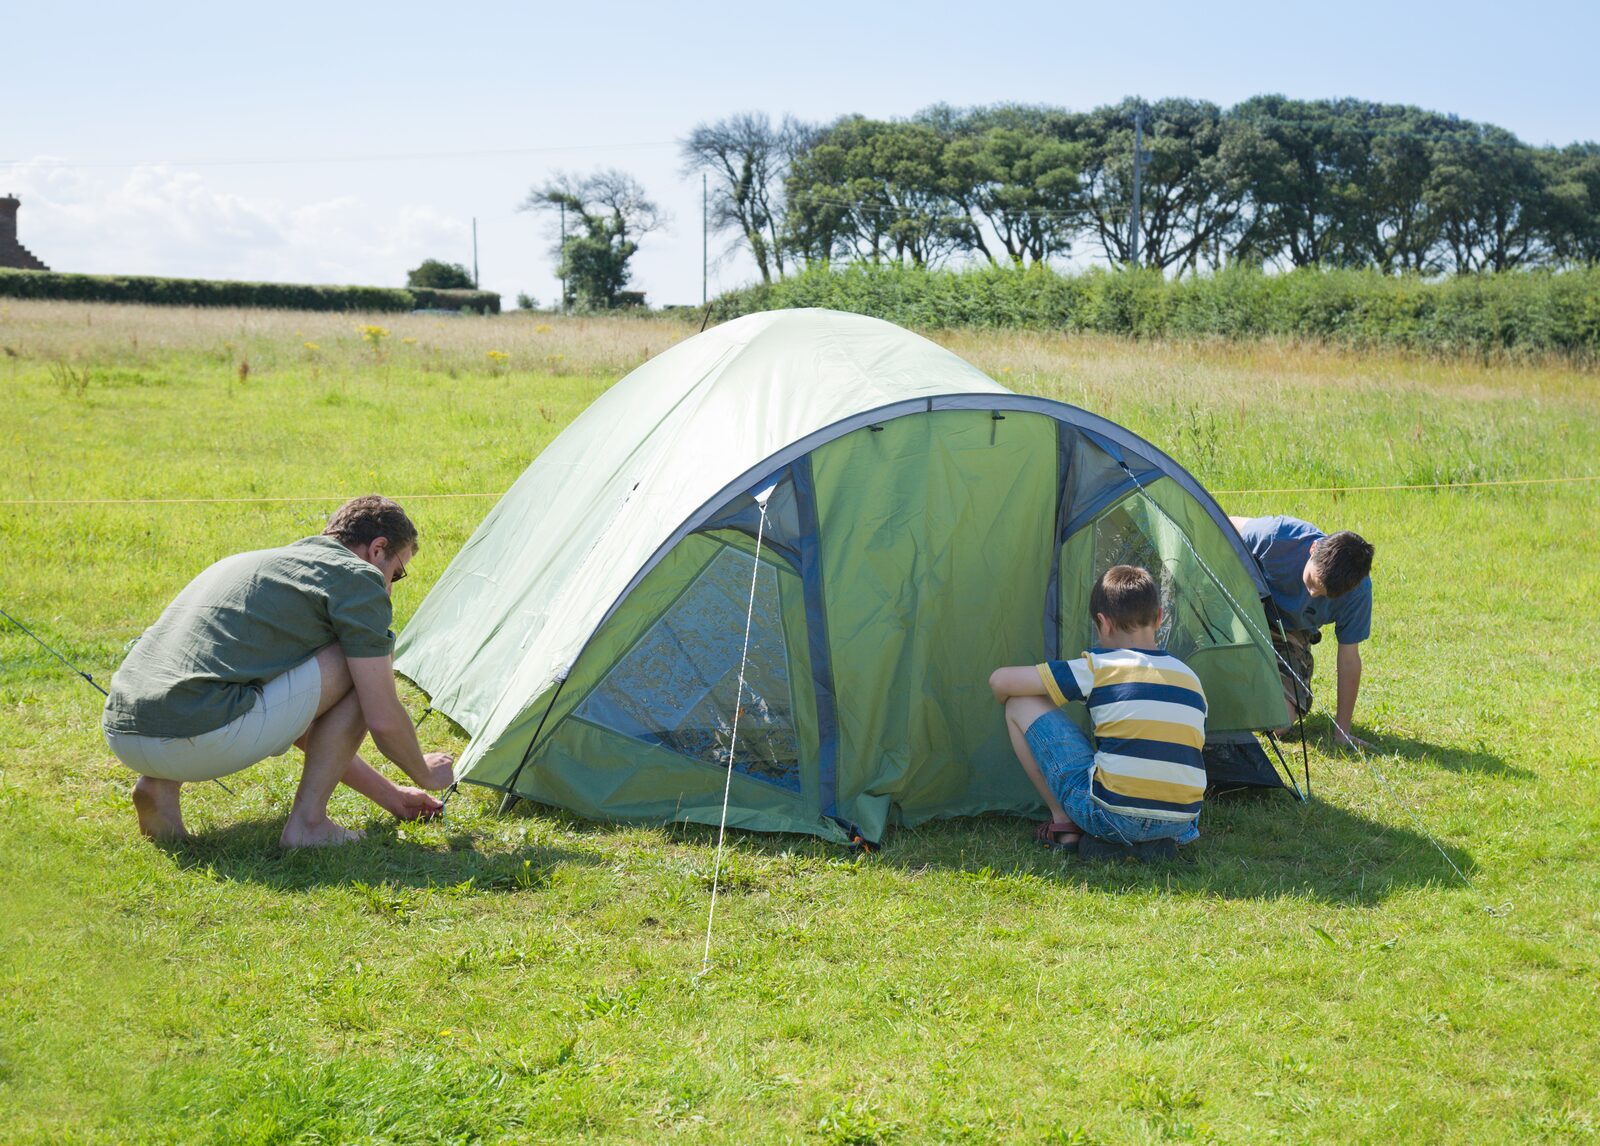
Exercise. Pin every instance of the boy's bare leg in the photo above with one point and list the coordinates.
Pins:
(1022, 711)
(160, 812)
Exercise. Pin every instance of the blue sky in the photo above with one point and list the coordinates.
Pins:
(235, 141)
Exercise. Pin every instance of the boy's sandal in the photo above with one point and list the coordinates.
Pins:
(1048, 835)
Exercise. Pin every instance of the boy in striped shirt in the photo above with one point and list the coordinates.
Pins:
(1143, 779)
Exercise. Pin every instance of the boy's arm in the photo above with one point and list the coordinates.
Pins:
(1016, 680)
(1058, 681)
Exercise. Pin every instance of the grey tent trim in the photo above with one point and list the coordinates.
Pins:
(1074, 416)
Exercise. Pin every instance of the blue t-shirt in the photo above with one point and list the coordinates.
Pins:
(1282, 546)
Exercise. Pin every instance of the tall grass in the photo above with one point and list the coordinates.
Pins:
(1311, 972)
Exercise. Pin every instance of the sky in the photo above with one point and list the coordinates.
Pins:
(346, 142)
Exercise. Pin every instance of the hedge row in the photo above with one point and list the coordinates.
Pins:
(1528, 311)
(209, 292)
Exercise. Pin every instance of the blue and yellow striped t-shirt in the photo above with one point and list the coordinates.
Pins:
(1149, 715)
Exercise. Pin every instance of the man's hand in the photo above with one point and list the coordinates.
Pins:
(415, 804)
(441, 771)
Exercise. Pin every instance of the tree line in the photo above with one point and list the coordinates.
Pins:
(1270, 182)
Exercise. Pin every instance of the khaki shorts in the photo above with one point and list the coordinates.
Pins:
(285, 707)
(1295, 653)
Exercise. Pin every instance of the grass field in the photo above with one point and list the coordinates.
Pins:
(1308, 973)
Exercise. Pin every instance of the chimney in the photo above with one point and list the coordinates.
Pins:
(12, 253)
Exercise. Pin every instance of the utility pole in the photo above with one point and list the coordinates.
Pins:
(563, 256)
(1140, 157)
(474, 252)
(705, 239)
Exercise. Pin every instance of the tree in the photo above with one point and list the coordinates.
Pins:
(1487, 192)
(606, 213)
(747, 158)
(440, 276)
(1572, 211)
(1017, 179)
(1389, 221)
(1189, 203)
(1304, 163)
(876, 190)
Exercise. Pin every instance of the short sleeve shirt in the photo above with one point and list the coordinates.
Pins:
(1282, 546)
(243, 621)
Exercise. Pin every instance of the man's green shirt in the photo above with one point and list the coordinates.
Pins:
(240, 623)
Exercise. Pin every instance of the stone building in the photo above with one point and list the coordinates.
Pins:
(13, 253)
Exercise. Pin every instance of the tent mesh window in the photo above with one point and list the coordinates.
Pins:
(1194, 614)
(677, 686)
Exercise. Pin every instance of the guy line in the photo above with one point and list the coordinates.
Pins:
(48, 501)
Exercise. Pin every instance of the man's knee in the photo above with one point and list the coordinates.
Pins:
(336, 680)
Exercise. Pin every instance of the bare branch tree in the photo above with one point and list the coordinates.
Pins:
(747, 158)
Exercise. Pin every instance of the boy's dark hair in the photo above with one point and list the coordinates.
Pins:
(1128, 596)
(1342, 561)
(364, 519)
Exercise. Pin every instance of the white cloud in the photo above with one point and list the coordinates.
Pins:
(158, 220)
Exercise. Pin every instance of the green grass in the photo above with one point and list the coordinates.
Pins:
(1310, 972)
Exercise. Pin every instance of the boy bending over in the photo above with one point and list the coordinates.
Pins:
(1143, 780)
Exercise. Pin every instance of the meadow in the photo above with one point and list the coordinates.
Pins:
(1307, 972)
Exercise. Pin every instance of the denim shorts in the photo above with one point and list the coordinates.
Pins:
(1066, 758)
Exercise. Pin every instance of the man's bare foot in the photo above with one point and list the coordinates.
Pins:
(412, 804)
(160, 813)
(319, 833)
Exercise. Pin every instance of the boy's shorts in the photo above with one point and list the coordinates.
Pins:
(1295, 664)
(1066, 758)
(285, 707)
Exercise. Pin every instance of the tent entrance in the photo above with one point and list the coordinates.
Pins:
(1163, 530)
(935, 536)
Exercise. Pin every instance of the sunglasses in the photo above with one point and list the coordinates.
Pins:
(399, 575)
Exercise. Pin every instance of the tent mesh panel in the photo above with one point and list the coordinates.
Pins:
(1194, 613)
(676, 687)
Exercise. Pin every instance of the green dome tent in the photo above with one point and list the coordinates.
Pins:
(918, 526)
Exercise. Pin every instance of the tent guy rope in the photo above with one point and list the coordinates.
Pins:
(76, 671)
(50, 501)
(733, 735)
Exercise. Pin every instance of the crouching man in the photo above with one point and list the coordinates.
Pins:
(274, 648)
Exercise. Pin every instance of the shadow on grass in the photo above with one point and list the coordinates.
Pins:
(1478, 761)
(248, 851)
(1251, 847)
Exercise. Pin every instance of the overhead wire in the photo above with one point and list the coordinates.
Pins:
(291, 161)
(46, 502)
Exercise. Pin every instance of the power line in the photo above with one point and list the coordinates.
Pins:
(398, 157)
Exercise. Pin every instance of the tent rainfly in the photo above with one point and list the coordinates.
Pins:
(919, 524)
